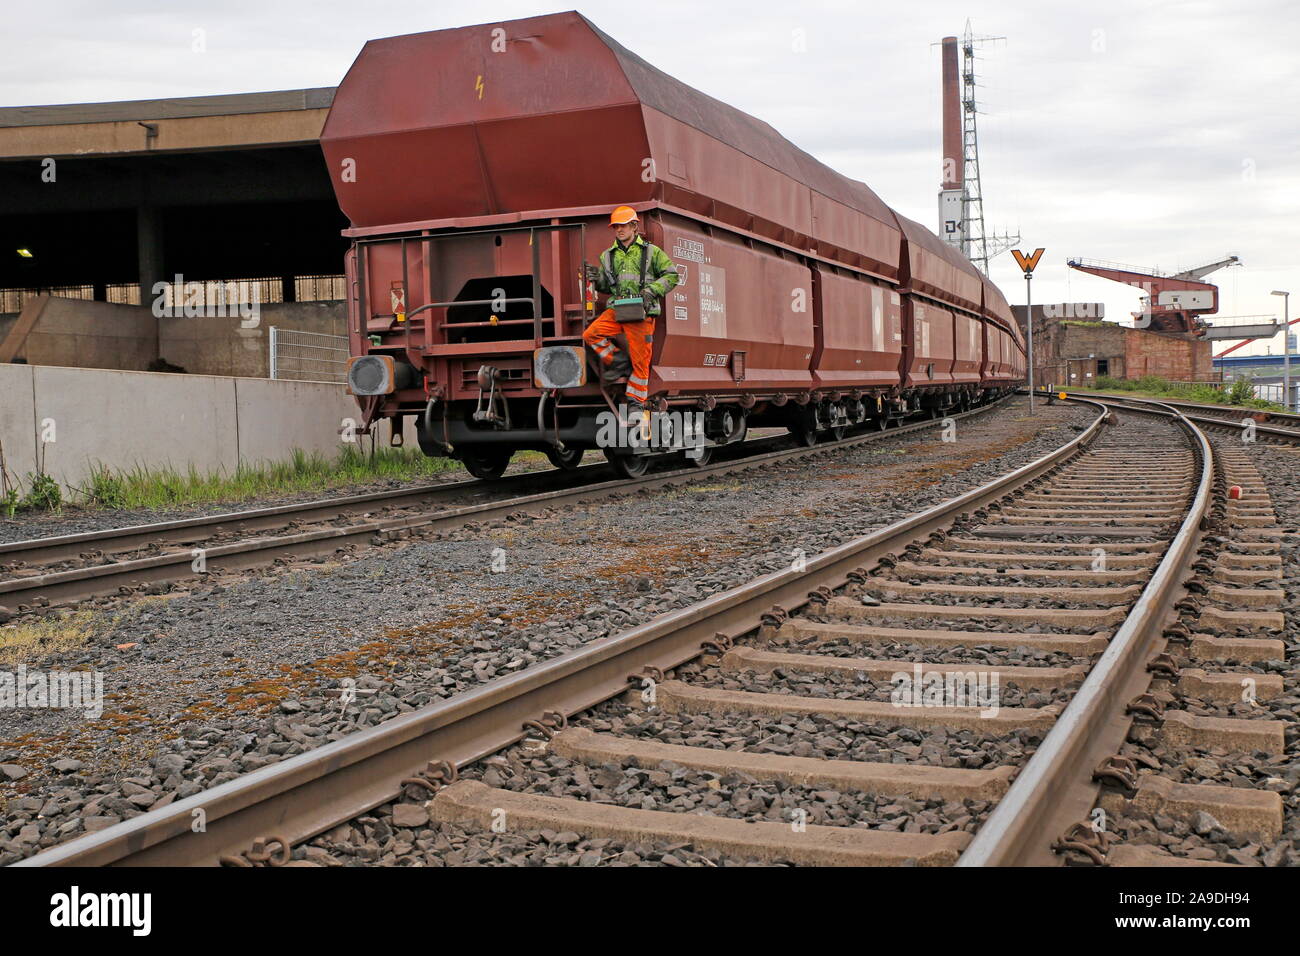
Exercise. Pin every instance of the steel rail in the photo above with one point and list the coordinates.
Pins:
(75, 584)
(1055, 789)
(315, 791)
(56, 547)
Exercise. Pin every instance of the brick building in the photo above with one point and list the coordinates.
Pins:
(1073, 346)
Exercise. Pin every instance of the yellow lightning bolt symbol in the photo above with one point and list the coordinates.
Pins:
(478, 85)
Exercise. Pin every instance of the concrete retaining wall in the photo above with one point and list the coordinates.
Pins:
(83, 334)
(124, 420)
(78, 333)
(208, 345)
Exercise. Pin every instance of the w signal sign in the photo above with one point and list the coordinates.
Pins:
(1027, 263)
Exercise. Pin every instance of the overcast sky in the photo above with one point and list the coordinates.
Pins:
(1154, 133)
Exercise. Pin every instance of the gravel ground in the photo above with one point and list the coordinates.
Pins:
(389, 837)
(829, 738)
(974, 623)
(204, 685)
(853, 686)
(958, 654)
(734, 795)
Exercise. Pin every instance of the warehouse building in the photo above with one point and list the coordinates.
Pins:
(104, 204)
(1073, 346)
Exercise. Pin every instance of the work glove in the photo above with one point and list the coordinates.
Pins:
(649, 293)
(593, 272)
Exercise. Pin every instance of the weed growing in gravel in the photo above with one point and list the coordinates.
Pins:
(44, 495)
(24, 641)
(168, 487)
(105, 490)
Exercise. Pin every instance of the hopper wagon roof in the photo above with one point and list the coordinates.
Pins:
(933, 267)
(996, 308)
(549, 113)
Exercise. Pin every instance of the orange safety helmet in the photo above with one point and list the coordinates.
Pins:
(622, 216)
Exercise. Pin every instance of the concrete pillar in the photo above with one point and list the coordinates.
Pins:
(149, 253)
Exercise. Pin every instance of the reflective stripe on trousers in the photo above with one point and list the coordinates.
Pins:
(640, 343)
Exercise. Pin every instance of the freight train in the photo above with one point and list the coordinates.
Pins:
(478, 167)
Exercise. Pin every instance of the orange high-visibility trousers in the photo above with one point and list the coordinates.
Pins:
(640, 343)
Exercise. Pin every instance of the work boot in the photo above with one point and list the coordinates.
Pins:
(638, 416)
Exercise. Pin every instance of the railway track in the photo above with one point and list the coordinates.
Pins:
(1267, 427)
(1281, 419)
(774, 707)
(50, 572)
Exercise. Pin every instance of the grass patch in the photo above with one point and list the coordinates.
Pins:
(27, 640)
(1238, 394)
(149, 488)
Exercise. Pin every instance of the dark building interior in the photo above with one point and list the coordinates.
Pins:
(111, 220)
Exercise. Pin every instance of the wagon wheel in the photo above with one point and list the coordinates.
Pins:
(742, 429)
(628, 466)
(566, 460)
(839, 431)
(704, 453)
(804, 433)
(487, 464)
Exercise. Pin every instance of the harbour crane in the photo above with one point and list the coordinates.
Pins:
(1171, 303)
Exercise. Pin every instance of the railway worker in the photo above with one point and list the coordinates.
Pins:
(630, 268)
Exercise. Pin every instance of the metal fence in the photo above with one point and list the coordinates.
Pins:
(308, 356)
(320, 288)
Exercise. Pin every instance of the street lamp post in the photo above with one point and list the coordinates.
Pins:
(1286, 349)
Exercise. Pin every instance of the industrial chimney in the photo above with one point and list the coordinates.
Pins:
(952, 191)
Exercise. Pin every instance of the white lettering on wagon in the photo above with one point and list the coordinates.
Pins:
(688, 249)
(713, 302)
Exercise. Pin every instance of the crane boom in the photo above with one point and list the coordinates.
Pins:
(1200, 272)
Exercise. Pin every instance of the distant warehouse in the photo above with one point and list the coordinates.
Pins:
(1073, 345)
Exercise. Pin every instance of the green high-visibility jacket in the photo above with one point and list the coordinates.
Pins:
(620, 272)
